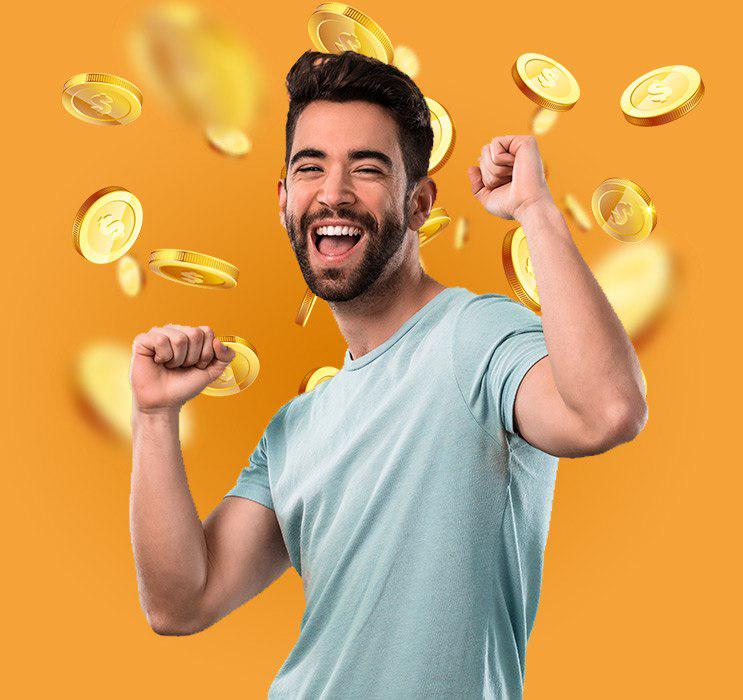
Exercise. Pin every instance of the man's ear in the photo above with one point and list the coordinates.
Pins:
(421, 202)
(282, 201)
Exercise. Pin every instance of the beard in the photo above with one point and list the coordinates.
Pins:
(348, 280)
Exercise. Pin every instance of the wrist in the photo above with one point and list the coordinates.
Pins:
(543, 207)
(155, 414)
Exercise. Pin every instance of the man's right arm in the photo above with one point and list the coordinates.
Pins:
(190, 574)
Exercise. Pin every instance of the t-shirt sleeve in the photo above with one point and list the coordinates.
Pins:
(495, 341)
(253, 482)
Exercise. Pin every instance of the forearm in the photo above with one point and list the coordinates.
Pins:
(594, 364)
(167, 535)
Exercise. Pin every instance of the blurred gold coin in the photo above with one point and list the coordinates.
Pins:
(623, 209)
(240, 373)
(578, 212)
(107, 225)
(406, 60)
(102, 98)
(194, 269)
(637, 280)
(545, 81)
(461, 233)
(519, 270)
(436, 222)
(315, 377)
(444, 135)
(228, 140)
(305, 307)
(101, 376)
(201, 69)
(130, 275)
(543, 120)
(662, 95)
(335, 27)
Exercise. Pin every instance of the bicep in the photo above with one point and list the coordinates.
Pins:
(541, 417)
(246, 553)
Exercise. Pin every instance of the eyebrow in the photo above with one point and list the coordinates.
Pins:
(358, 154)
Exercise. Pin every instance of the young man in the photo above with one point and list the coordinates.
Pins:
(412, 491)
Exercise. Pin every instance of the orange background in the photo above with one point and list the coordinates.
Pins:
(639, 597)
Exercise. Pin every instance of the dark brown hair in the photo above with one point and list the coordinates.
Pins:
(352, 76)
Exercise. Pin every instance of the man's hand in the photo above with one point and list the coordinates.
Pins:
(510, 178)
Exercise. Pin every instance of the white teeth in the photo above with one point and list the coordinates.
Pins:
(338, 231)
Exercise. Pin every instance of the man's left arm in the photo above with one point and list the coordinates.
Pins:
(587, 396)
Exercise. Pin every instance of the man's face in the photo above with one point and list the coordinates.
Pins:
(346, 164)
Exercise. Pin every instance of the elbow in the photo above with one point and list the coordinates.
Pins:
(166, 626)
(624, 423)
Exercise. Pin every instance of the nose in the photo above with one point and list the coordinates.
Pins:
(336, 190)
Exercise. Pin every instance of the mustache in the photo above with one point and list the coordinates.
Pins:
(366, 222)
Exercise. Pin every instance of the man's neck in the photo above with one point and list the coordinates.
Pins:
(368, 322)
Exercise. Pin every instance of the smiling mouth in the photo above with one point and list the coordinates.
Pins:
(341, 251)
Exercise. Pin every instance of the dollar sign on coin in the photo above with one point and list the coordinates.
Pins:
(623, 209)
(545, 81)
(662, 95)
(240, 373)
(107, 224)
(102, 98)
(194, 269)
(335, 27)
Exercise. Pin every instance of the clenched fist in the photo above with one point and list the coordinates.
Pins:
(510, 177)
(172, 364)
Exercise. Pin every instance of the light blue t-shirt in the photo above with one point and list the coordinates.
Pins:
(415, 516)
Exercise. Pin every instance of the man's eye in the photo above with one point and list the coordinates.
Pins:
(307, 168)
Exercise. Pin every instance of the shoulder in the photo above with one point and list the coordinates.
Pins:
(490, 312)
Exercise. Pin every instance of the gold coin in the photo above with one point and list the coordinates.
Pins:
(228, 140)
(101, 375)
(107, 225)
(578, 212)
(130, 275)
(102, 98)
(406, 60)
(662, 95)
(461, 233)
(201, 69)
(315, 377)
(519, 270)
(240, 373)
(637, 280)
(623, 209)
(545, 81)
(193, 269)
(444, 135)
(543, 120)
(335, 27)
(305, 307)
(436, 222)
